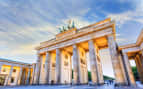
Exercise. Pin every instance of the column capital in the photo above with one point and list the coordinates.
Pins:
(111, 36)
(38, 58)
(75, 45)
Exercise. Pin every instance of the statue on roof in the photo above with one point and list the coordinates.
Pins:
(70, 25)
(73, 25)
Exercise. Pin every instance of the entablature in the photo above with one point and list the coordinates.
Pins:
(98, 34)
(131, 50)
(84, 34)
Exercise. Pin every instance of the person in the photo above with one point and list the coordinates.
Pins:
(52, 82)
(65, 82)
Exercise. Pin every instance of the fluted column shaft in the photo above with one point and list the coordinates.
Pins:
(47, 66)
(70, 69)
(139, 64)
(38, 69)
(142, 52)
(33, 74)
(76, 65)
(28, 76)
(58, 66)
(0, 68)
(9, 76)
(93, 62)
(19, 77)
(119, 73)
(131, 79)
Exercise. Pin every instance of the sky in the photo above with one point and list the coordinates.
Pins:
(26, 23)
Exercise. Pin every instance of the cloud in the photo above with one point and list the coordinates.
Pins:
(131, 15)
(79, 21)
(24, 24)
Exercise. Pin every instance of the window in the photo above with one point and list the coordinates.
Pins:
(14, 70)
(12, 79)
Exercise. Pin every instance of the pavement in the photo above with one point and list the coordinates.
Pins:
(139, 86)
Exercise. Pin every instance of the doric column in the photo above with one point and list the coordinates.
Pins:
(28, 76)
(141, 47)
(119, 74)
(142, 52)
(19, 77)
(9, 76)
(141, 60)
(96, 74)
(70, 69)
(58, 66)
(86, 69)
(76, 65)
(100, 72)
(47, 67)
(38, 68)
(130, 76)
(0, 68)
(139, 65)
(33, 73)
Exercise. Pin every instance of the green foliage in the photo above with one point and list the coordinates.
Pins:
(72, 74)
(107, 77)
(135, 72)
(89, 76)
(134, 69)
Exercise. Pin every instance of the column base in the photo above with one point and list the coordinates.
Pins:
(80, 84)
(96, 84)
(64, 84)
(120, 84)
(124, 84)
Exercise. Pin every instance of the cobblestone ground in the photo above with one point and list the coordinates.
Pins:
(139, 86)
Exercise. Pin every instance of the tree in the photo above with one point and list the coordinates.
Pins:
(135, 73)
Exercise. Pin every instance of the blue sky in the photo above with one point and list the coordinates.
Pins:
(26, 23)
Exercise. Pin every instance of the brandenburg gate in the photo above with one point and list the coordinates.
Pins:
(56, 56)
